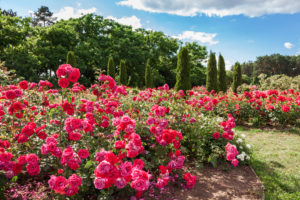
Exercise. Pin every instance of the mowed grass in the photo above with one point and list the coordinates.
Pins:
(276, 160)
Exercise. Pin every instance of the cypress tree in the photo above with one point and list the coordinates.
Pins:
(111, 67)
(221, 74)
(71, 58)
(183, 70)
(236, 77)
(211, 73)
(123, 73)
(148, 75)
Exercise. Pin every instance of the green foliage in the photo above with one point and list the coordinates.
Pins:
(123, 73)
(183, 79)
(197, 55)
(279, 82)
(148, 75)
(221, 74)
(111, 67)
(272, 65)
(71, 59)
(211, 73)
(237, 77)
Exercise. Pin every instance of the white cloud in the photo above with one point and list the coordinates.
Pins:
(251, 8)
(130, 21)
(31, 13)
(78, 4)
(288, 45)
(205, 38)
(228, 64)
(70, 12)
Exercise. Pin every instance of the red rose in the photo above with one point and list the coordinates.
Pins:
(23, 85)
(17, 105)
(74, 75)
(63, 83)
(83, 153)
(10, 94)
(33, 169)
(216, 135)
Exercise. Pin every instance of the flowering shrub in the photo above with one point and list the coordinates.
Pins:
(254, 106)
(107, 139)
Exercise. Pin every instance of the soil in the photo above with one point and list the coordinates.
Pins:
(219, 184)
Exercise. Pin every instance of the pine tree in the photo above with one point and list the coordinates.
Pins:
(148, 75)
(71, 59)
(183, 70)
(236, 77)
(123, 73)
(211, 73)
(111, 67)
(221, 74)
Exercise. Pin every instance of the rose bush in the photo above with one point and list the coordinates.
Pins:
(109, 140)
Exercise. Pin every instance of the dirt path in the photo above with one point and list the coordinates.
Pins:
(215, 183)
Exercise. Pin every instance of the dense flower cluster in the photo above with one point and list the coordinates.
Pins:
(66, 74)
(111, 138)
(231, 153)
(64, 186)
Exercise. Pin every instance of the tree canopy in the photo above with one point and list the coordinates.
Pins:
(36, 51)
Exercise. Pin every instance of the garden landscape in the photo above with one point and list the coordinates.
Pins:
(92, 107)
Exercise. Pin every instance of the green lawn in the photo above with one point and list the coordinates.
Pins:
(276, 160)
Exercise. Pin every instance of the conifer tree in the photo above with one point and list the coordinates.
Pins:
(183, 70)
(123, 73)
(148, 75)
(111, 67)
(236, 77)
(211, 73)
(71, 58)
(221, 74)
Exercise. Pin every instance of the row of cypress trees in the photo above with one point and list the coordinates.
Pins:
(215, 77)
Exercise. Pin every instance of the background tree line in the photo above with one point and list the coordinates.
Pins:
(272, 65)
(36, 46)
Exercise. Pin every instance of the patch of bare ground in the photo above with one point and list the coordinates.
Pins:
(216, 183)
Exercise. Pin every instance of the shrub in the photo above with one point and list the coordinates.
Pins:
(71, 59)
(111, 67)
(279, 82)
(123, 73)
(148, 75)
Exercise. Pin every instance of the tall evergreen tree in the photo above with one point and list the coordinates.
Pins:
(148, 75)
(211, 73)
(183, 70)
(71, 58)
(123, 73)
(111, 67)
(221, 74)
(43, 17)
(237, 77)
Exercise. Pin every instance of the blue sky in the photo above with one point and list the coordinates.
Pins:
(240, 30)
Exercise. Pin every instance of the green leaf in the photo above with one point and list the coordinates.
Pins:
(88, 164)
(14, 179)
